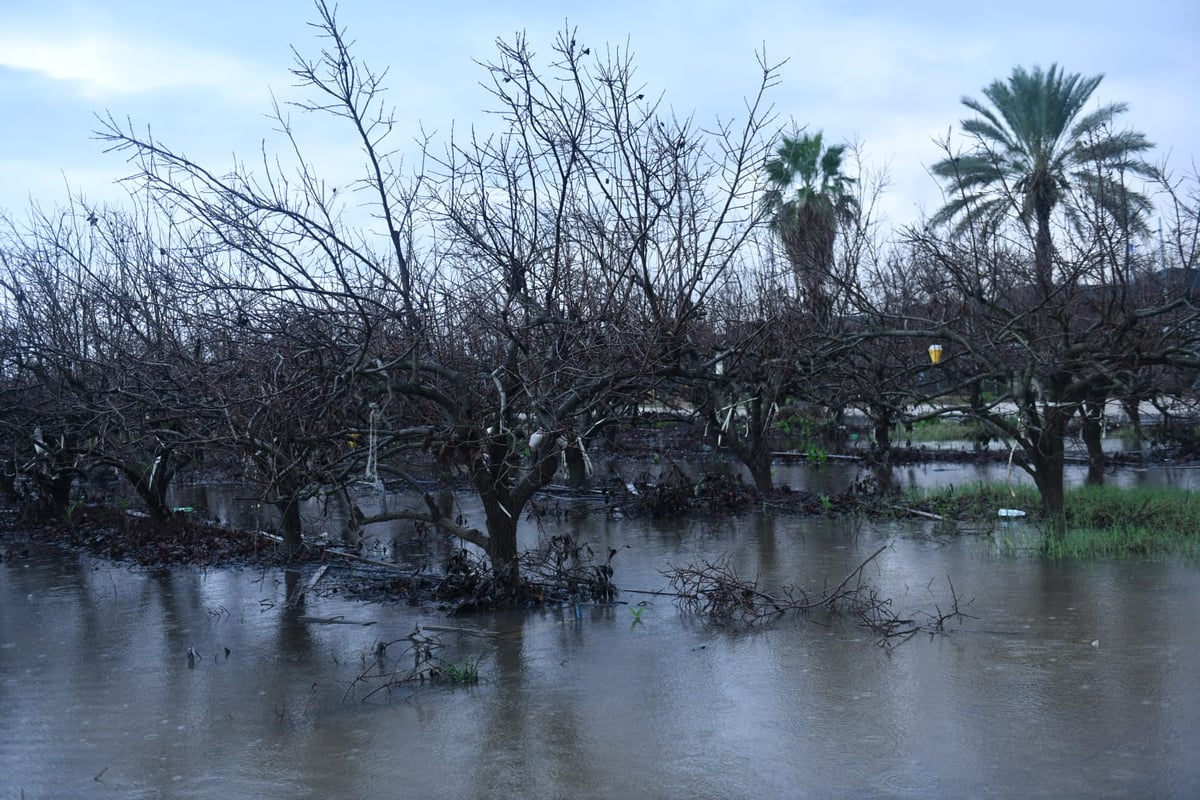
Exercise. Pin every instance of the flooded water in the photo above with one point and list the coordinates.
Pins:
(1072, 680)
(838, 476)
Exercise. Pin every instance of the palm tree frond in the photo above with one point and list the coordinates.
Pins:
(1034, 141)
(809, 195)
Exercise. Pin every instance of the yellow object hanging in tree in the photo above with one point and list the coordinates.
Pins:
(935, 353)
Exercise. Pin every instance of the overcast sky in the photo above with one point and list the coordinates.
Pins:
(889, 75)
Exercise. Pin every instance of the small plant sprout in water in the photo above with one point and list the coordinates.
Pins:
(462, 673)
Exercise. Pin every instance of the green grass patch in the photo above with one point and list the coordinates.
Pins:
(1108, 522)
(939, 430)
(1121, 542)
(463, 673)
(1107, 507)
(981, 501)
(1102, 521)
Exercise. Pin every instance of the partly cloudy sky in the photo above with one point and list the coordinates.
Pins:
(888, 75)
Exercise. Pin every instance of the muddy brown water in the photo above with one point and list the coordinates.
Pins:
(1074, 680)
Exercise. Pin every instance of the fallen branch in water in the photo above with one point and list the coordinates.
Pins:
(465, 631)
(364, 560)
(416, 663)
(714, 590)
(916, 512)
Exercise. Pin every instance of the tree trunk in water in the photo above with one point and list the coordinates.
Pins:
(753, 449)
(8, 482)
(152, 486)
(760, 468)
(502, 542)
(290, 524)
(885, 478)
(1134, 412)
(577, 467)
(1048, 458)
(883, 433)
(154, 495)
(502, 505)
(60, 492)
(1093, 430)
(756, 452)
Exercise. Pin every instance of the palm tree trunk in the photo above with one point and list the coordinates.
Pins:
(1043, 252)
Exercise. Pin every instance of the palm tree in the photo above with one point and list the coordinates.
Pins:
(1037, 150)
(1031, 146)
(807, 199)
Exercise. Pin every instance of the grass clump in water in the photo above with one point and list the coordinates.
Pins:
(1109, 522)
(464, 673)
(930, 431)
(1101, 521)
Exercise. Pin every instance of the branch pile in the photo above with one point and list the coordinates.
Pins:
(714, 590)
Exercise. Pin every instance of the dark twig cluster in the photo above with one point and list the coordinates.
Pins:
(561, 570)
(566, 569)
(415, 664)
(715, 590)
(879, 614)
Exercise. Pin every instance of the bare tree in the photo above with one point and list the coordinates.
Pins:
(509, 288)
(103, 348)
(769, 348)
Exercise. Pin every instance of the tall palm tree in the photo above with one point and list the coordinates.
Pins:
(1036, 151)
(807, 198)
(1031, 146)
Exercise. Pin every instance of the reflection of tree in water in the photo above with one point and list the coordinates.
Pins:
(293, 638)
(178, 595)
(531, 724)
(764, 535)
(29, 624)
(289, 691)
